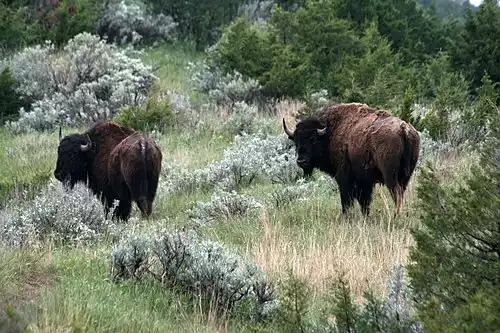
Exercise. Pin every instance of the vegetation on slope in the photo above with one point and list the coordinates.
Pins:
(262, 249)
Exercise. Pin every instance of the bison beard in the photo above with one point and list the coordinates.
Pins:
(359, 146)
(116, 162)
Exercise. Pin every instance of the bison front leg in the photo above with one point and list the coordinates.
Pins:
(346, 196)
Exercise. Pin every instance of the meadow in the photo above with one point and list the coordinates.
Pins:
(57, 287)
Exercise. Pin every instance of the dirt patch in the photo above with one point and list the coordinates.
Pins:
(24, 276)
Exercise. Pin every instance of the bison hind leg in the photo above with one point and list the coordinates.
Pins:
(364, 194)
(123, 210)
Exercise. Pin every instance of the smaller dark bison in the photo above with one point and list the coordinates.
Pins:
(116, 162)
(359, 146)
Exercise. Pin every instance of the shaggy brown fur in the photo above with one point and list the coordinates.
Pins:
(88, 158)
(134, 170)
(359, 146)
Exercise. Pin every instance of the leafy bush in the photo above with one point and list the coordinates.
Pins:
(222, 205)
(430, 148)
(127, 22)
(63, 215)
(217, 278)
(156, 115)
(287, 56)
(10, 100)
(87, 81)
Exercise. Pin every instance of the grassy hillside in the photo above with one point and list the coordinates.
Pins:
(63, 288)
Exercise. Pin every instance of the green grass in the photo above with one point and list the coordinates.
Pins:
(172, 60)
(27, 162)
(73, 292)
(85, 300)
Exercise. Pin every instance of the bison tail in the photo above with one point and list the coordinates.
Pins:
(406, 167)
(139, 186)
(145, 206)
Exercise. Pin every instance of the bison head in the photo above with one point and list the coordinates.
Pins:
(74, 156)
(309, 142)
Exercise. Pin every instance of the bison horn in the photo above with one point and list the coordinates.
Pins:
(60, 134)
(86, 146)
(287, 131)
(321, 131)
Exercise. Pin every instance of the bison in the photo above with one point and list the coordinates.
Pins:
(116, 162)
(359, 146)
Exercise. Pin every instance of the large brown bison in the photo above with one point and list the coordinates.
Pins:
(116, 163)
(359, 146)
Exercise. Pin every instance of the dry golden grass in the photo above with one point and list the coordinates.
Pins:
(288, 109)
(365, 250)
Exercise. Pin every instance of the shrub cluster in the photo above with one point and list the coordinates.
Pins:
(157, 115)
(222, 205)
(219, 279)
(87, 81)
(286, 194)
(250, 157)
(127, 22)
(62, 215)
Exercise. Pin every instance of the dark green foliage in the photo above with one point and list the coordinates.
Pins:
(199, 20)
(412, 30)
(70, 18)
(294, 305)
(157, 114)
(244, 47)
(447, 8)
(10, 100)
(343, 307)
(478, 51)
(455, 269)
(16, 27)
(338, 311)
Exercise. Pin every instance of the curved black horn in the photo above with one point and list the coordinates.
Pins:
(60, 134)
(287, 131)
(86, 146)
(321, 131)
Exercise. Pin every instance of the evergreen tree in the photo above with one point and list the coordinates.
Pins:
(455, 270)
(478, 51)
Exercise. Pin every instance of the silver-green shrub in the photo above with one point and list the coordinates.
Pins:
(222, 205)
(250, 157)
(87, 81)
(205, 269)
(68, 216)
(302, 190)
(225, 89)
(128, 22)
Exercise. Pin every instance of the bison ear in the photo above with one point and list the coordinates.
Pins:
(287, 131)
(321, 131)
